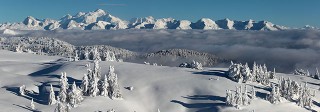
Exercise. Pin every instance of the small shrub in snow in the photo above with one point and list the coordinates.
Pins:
(130, 88)
(22, 90)
(147, 63)
(32, 106)
(112, 110)
(193, 64)
(154, 64)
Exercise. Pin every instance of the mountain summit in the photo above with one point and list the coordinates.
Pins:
(100, 20)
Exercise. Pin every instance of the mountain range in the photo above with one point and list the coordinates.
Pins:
(100, 20)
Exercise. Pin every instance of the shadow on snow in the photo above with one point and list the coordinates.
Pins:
(215, 106)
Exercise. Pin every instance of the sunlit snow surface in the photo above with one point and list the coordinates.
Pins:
(169, 89)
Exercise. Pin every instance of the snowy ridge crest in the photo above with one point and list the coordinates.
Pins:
(102, 20)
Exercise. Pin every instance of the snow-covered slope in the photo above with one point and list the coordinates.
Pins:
(100, 19)
(169, 89)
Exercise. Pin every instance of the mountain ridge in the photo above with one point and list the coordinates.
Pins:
(101, 20)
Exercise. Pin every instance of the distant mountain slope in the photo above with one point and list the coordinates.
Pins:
(174, 57)
(56, 47)
(100, 20)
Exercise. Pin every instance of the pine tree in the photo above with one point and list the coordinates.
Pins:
(245, 98)
(305, 97)
(76, 57)
(86, 54)
(96, 69)
(228, 98)
(273, 74)
(274, 96)
(93, 90)
(112, 56)
(254, 72)
(75, 95)
(246, 72)
(95, 54)
(308, 73)
(60, 107)
(52, 96)
(113, 82)
(238, 97)
(317, 75)
(253, 93)
(85, 84)
(63, 88)
(234, 72)
(104, 86)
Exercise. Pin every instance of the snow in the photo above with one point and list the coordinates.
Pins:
(169, 89)
(206, 24)
(85, 20)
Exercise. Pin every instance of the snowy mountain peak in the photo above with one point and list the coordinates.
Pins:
(100, 19)
(31, 21)
(206, 24)
(309, 27)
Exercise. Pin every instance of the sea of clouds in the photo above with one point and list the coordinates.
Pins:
(284, 50)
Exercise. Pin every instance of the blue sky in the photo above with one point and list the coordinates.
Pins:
(293, 13)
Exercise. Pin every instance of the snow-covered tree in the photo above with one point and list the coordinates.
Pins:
(274, 96)
(246, 73)
(76, 57)
(245, 98)
(52, 96)
(104, 86)
(308, 73)
(229, 98)
(18, 49)
(85, 84)
(32, 106)
(305, 97)
(109, 56)
(114, 92)
(238, 97)
(96, 69)
(93, 83)
(253, 93)
(63, 87)
(95, 54)
(317, 74)
(254, 72)
(74, 96)
(22, 90)
(234, 72)
(273, 74)
(196, 65)
(86, 54)
(60, 107)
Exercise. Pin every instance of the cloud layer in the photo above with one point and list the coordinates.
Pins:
(284, 50)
